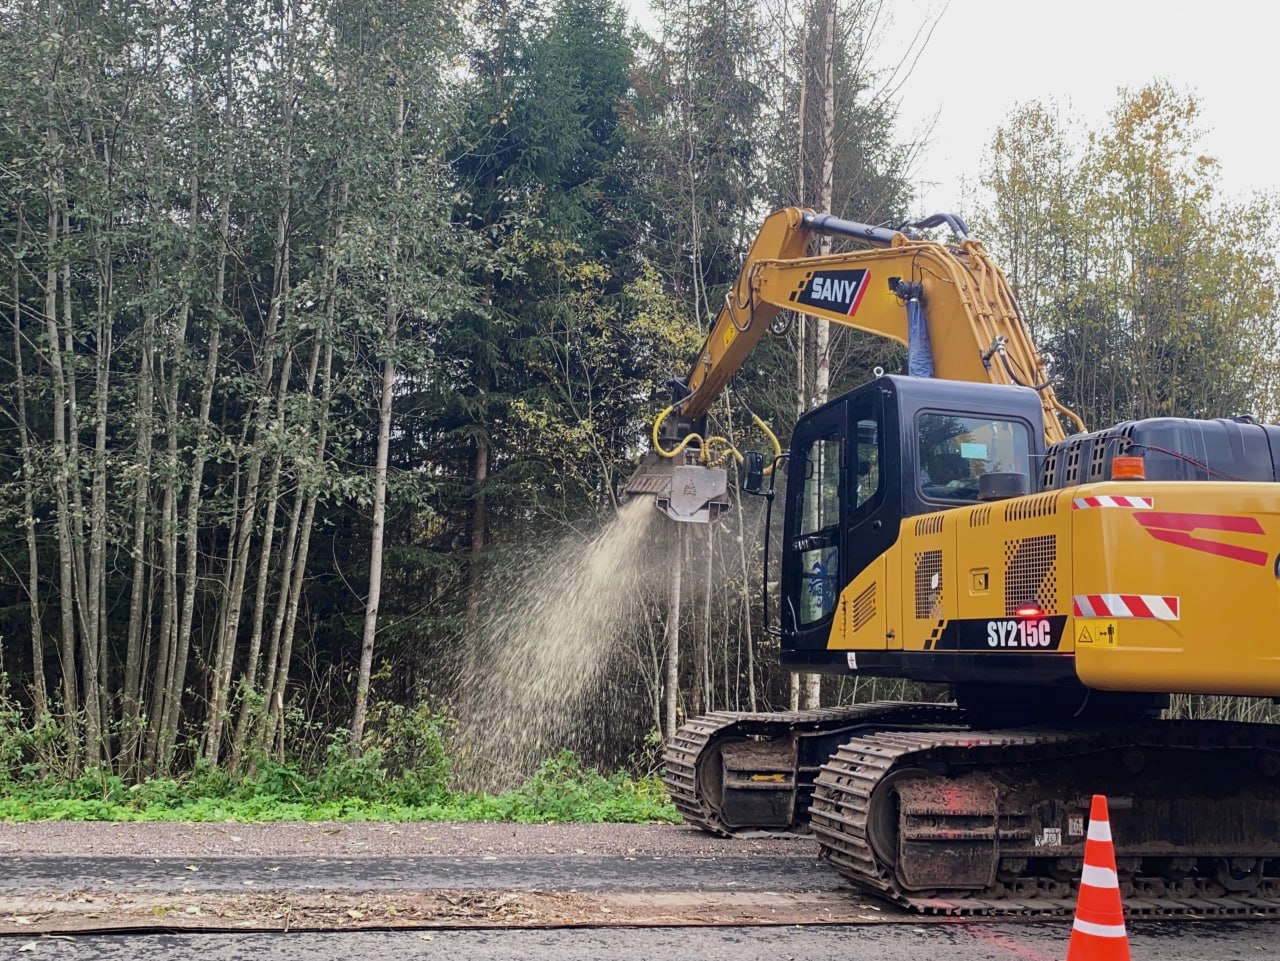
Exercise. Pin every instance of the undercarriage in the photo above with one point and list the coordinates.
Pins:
(908, 802)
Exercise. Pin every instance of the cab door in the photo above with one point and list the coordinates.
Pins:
(814, 565)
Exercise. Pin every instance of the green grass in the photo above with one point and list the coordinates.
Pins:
(344, 790)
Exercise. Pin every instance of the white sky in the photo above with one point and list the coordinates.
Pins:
(987, 56)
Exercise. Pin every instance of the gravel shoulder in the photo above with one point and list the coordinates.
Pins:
(65, 877)
(348, 839)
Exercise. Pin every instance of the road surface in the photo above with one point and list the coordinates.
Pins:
(537, 892)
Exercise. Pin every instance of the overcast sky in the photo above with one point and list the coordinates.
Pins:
(986, 56)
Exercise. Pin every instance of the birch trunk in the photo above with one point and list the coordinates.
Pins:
(822, 335)
(390, 333)
(131, 701)
(39, 689)
(62, 485)
(673, 640)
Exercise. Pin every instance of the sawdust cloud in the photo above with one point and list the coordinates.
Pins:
(551, 643)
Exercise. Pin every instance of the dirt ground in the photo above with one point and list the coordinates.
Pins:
(76, 877)
(365, 839)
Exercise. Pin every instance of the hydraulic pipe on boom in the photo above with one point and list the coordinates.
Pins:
(949, 304)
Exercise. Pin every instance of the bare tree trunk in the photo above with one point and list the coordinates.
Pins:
(281, 653)
(131, 706)
(250, 704)
(242, 558)
(275, 695)
(822, 334)
(703, 679)
(383, 455)
(803, 324)
(39, 689)
(673, 639)
(62, 482)
(94, 649)
(746, 604)
(175, 676)
(375, 545)
(249, 679)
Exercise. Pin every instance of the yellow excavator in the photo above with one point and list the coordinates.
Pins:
(945, 527)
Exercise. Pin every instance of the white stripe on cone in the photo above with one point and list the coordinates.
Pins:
(1100, 930)
(1100, 831)
(1097, 877)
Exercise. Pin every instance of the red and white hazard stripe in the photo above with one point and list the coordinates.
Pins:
(1113, 500)
(1160, 607)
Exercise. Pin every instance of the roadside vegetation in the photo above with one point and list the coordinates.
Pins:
(404, 774)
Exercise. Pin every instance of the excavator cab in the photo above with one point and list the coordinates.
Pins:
(895, 448)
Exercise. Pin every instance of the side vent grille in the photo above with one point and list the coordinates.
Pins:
(929, 524)
(1031, 573)
(928, 584)
(1108, 444)
(1049, 470)
(1083, 458)
(864, 608)
(1025, 508)
(980, 517)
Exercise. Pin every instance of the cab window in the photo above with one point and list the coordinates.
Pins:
(953, 451)
(818, 530)
(866, 480)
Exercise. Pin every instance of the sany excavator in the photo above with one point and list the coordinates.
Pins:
(942, 527)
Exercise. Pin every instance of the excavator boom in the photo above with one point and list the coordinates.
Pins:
(948, 303)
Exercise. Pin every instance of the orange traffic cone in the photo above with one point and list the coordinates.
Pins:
(1098, 932)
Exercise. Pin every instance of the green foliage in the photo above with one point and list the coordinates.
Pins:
(1129, 265)
(562, 789)
(402, 775)
(341, 789)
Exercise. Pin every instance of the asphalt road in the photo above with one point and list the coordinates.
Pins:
(895, 942)
(515, 893)
(19, 875)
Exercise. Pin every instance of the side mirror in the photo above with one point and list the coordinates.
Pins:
(751, 472)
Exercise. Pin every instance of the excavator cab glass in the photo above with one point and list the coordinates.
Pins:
(818, 534)
(956, 450)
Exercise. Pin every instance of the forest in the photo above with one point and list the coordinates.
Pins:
(321, 317)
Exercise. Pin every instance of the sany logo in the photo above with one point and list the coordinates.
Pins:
(1176, 529)
(839, 291)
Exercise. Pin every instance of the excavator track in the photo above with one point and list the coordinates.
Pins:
(768, 761)
(993, 822)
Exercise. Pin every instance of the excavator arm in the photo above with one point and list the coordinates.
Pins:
(948, 303)
(967, 324)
